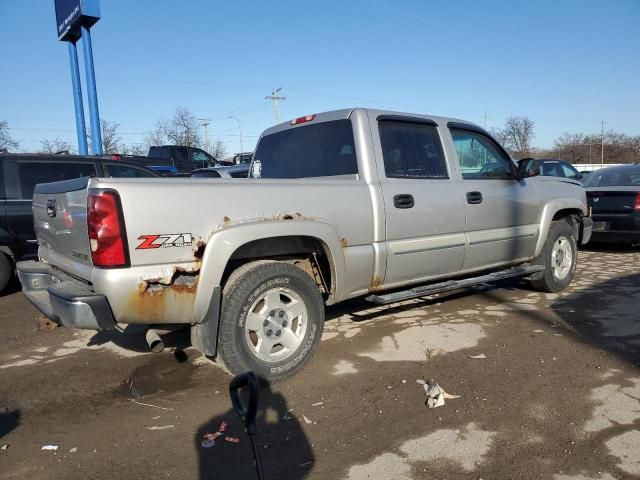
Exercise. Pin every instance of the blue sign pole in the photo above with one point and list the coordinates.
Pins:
(77, 99)
(92, 94)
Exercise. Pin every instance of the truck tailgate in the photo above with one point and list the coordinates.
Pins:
(60, 219)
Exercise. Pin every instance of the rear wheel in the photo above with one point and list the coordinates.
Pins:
(271, 320)
(559, 256)
(5, 271)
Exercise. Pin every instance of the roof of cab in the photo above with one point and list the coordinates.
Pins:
(345, 113)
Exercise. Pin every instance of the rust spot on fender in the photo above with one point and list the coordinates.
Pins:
(376, 283)
(198, 249)
(344, 242)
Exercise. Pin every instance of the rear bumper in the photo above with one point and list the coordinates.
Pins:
(64, 299)
(617, 228)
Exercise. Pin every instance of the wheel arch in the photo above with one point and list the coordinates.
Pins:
(237, 244)
(556, 210)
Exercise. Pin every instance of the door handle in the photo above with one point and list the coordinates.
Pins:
(474, 198)
(403, 200)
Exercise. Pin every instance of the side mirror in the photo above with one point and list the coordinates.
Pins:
(528, 167)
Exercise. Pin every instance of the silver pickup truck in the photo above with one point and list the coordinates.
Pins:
(338, 205)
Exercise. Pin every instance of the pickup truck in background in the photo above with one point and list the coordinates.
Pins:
(177, 158)
(338, 205)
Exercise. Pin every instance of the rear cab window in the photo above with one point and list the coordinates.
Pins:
(325, 149)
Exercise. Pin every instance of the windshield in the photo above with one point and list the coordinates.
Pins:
(614, 177)
(317, 150)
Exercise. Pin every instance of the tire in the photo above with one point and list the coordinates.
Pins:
(559, 257)
(5, 271)
(271, 320)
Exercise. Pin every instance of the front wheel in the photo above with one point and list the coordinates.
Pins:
(559, 256)
(271, 320)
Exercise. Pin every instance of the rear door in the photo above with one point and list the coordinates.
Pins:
(424, 212)
(22, 177)
(502, 212)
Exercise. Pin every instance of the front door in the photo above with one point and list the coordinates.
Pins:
(502, 211)
(424, 211)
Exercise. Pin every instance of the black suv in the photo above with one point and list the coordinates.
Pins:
(19, 173)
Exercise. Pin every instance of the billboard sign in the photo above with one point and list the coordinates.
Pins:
(73, 14)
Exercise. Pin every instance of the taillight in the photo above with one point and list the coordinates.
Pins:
(636, 206)
(304, 119)
(116, 157)
(106, 232)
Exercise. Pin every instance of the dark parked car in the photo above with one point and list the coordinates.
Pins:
(614, 197)
(19, 174)
(237, 171)
(557, 168)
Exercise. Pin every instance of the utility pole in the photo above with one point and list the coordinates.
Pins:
(240, 129)
(205, 124)
(602, 143)
(485, 120)
(275, 97)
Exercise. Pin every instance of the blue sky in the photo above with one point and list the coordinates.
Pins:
(565, 64)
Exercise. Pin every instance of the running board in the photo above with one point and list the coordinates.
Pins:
(449, 285)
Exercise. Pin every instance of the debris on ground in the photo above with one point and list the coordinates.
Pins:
(4, 447)
(436, 395)
(478, 357)
(73, 450)
(306, 420)
(160, 427)
(43, 323)
(306, 464)
(134, 394)
(209, 439)
(286, 415)
(49, 447)
(317, 404)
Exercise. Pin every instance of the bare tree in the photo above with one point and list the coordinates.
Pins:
(135, 149)
(581, 148)
(182, 128)
(56, 145)
(218, 149)
(517, 134)
(6, 140)
(110, 138)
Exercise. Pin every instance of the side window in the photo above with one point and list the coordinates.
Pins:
(180, 155)
(124, 171)
(411, 150)
(480, 157)
(32, 173)
(200, 159)
(570, 172)
(552, 169)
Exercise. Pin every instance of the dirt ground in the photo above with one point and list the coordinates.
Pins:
(557, 396)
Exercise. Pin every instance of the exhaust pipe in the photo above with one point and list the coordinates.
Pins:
(154, 341)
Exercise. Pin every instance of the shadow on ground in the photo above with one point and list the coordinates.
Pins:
(284, 449)
(9, 421)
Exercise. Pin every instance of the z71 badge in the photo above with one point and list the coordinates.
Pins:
(164, 241)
